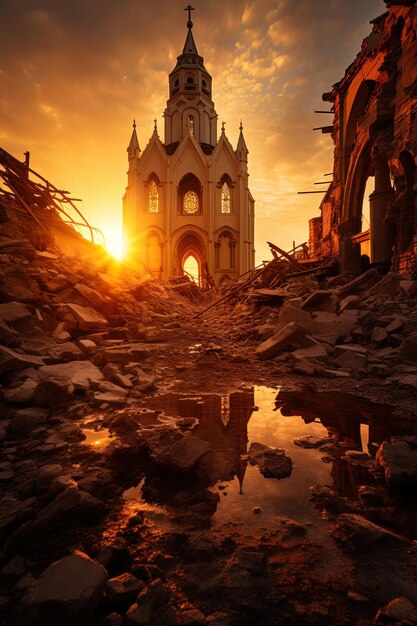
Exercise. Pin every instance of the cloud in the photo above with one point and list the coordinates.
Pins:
(73, 74)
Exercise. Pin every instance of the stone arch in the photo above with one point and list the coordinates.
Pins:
(190, 184)
(367, 161)
(357, 110)
(191, 114)
(152, 185)
(153, 241)
(225, 185)
(189, 242)
(225, 250)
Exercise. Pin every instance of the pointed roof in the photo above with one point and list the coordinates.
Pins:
(189, 46)
(241, 144)
(133, 147)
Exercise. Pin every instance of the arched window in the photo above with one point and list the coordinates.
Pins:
(190, 124)
(153, 198)
(190, 195)
(177, 82)
(190, 80)
(191, 203)
(225, 198)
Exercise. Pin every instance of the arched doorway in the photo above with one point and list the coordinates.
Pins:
(191, 268)
(191, 257)
(368, 235)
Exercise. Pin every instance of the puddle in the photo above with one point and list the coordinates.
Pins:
(95, 435)
(231, 422)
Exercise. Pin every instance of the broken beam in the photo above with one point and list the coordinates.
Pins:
(324, 129)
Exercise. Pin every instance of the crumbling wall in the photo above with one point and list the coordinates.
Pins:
(375, 135)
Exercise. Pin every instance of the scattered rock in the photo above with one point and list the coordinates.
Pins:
(272, 462)
(185, 453)
(279, 342)
(398, 611)
(11, 361)
(363, 534)
(12, 312)
(87, 317)
(67, 591)
(123, 589)
(399, 462)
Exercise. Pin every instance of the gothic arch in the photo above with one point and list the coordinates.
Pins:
(188, 241)
(190, 196)
(153, 194)
(225, 249)
(153, 241)
(224, 200)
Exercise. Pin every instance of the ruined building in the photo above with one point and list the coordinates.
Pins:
(369, 212)
(187, 202)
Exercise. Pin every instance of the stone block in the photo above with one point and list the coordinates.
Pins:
(12, 312)
(68, 591)
(87, 317)
(279, 342)
(11, 361)
(350, 302)
(292, 314)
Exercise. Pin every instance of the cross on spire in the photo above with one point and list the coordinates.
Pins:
(189, 8)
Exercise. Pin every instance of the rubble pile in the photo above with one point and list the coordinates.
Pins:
(363, 327)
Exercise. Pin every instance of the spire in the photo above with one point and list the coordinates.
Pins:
(242, 148)
(133, 148)
(189, 46)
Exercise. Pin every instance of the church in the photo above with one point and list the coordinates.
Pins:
(187, 208)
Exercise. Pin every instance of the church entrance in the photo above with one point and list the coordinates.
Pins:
(191, 257)
(192, 268)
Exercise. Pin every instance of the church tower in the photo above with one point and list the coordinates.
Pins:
(187, 206)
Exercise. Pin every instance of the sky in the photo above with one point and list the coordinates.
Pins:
(74, 73)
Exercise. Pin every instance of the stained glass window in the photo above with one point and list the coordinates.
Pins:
(191, 203)
(153, 198)
(225, 198)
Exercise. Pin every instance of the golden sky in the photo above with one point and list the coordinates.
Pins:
(74, 73)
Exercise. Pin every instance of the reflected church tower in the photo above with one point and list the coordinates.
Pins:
(187, 205)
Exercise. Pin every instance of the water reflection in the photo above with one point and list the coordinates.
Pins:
(96, 438)
(230, 424)
(353, 422)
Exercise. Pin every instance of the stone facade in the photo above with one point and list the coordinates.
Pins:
(188, 197)
(375, 138)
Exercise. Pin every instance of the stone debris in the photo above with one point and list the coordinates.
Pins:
(67, 591)
(272, 462)
(283, 339)
(185, 453)
(399, 462)
(398, 611)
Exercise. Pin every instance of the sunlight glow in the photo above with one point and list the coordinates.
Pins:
(114, 241)
(192, 269)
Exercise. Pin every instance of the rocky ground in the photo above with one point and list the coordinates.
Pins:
(87, 347)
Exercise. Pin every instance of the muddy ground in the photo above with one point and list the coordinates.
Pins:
(349, 559)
